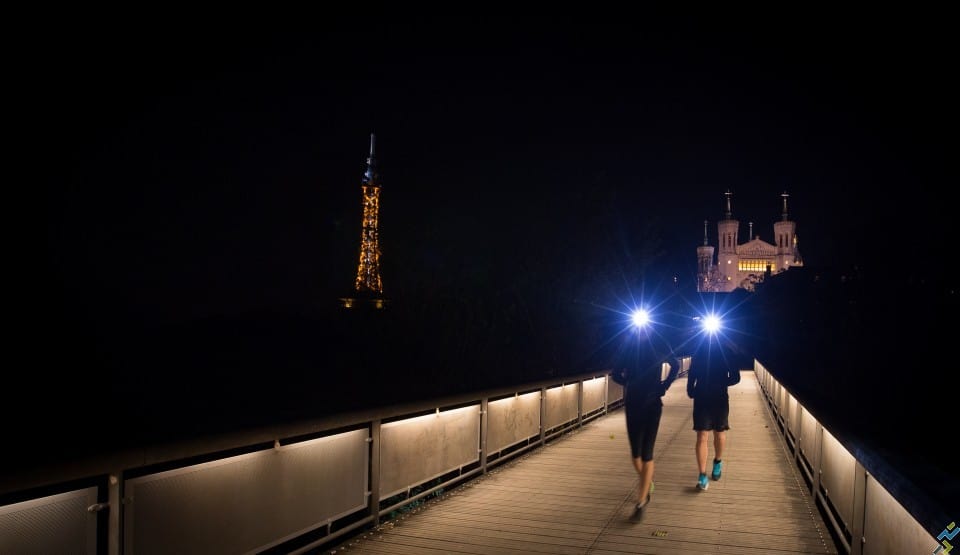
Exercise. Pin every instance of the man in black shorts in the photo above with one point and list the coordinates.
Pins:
(638, 366)
(713, 368)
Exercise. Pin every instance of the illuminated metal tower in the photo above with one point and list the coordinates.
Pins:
(368, 284)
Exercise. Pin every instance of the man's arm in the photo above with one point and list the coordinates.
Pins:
(691, 381)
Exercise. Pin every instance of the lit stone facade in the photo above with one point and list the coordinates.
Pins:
(745, 265)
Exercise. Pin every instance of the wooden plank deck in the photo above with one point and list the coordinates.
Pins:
(575, 495)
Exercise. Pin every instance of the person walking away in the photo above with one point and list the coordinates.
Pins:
(713, 369)
(638, 366)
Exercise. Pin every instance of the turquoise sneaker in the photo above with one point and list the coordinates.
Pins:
(717, 467)
(702, 483)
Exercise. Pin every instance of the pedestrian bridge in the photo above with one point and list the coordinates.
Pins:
(540, 469)
(576, 494)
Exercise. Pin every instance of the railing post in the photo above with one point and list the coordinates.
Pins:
(580, 403)
(115, 499)
(484, 411)
(373, 502)
(798, 438)
(818, 450)
(543, 416)
(859, 509)
(606, 393)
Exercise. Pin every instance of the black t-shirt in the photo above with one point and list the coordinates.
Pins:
(714, 366)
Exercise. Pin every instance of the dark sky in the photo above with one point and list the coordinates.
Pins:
(200, 171)
(210, 172)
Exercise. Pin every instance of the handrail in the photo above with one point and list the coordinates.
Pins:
(364, 465)
(862, 495)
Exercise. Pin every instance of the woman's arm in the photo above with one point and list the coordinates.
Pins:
(671, 375)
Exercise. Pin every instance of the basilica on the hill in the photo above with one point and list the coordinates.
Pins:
(744, 265)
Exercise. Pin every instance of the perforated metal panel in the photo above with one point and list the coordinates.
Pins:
(245, 503)
(889, 529)
(561, 405)
(512, 420)
(808, 438)
(54, 524)
(593, 394)
(418, 449)
(790, 414)
(839, 470)
(614, 391)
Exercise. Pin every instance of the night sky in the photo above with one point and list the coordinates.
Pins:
(203, 172)
(211, 173)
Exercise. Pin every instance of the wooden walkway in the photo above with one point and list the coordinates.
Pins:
(575, 495)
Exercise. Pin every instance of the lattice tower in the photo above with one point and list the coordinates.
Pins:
(368, 270)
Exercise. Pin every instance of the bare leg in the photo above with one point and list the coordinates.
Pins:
(719, 441)
(702, 448)
(645, 472)
(646, 478)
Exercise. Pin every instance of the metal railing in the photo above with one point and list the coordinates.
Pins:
(295, 487)
(289, 489)
(866, 518)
